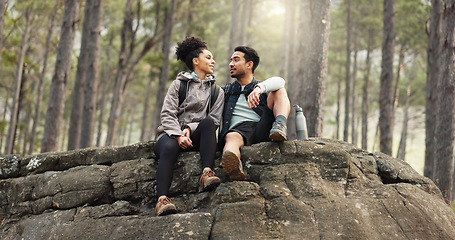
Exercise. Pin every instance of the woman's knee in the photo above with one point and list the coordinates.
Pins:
(207, 123)
(167, 144)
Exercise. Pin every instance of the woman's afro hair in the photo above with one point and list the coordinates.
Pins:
(188, 49)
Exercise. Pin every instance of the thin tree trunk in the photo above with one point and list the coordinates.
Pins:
(17, 85)
(60, 79)
(28, 115)
(354, 92)
(337, 115)
(22, 93)
(3, 127)
(39, 95)
(314, 64)
(120, 79)
(91, 85)
(444, 125)
(385, 95)
(126, 68)
(74, 132)
(431, 89)
(366, 86)
(130, 131)
(164, 73)
(288, 68)
(401, 154)
(233, 35)
(348, 72)
(397, 80)
(145, 122)
(246, 13)
(104, 84)
(2, 23)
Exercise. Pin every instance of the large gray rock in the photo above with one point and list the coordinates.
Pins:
(317, 189)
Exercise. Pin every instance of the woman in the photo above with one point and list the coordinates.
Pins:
(190, 124)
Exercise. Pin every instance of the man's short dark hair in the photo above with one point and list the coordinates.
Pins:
(250, 55)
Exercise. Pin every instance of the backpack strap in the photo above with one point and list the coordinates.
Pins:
(214, 91)
(182, 91)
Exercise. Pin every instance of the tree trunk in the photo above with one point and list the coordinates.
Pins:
(431, 89)
(287, 68)
(27, 109)
(145, 123)
(247, 11)
(385, 95)
(120, 79)
(3, 123)
(17, 84)
(337, 114)
(314, 63)
(2, 23)
(397, 80)
(348, 72)
(164, 73)
(60, 79)
(366, 86)
(126, 68)
(354, 91)
(401, 154)
(233, 35)
(104, 83)
(21, 106)
(74, 133)
(91, 85)
(39, 95)
(444, 125)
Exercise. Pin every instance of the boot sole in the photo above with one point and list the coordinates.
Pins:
(232, 165)
(167, 210)
(210, 185)
(277, 136)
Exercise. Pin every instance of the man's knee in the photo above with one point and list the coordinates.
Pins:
(234, 138)
(279, 95)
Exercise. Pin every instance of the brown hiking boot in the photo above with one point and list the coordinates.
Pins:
(208, 180)
(278, 131)
(232, 165)
(164, 206)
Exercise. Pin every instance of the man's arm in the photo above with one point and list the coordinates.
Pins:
(269, 85)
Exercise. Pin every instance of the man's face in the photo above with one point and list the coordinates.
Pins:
(238, 66)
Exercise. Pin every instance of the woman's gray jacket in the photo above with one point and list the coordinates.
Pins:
(175, 118)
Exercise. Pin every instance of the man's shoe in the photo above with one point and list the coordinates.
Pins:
(232, 165)
(278, 131)
(164, 206)
(208, 180)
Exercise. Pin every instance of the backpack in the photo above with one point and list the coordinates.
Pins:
(214, 91)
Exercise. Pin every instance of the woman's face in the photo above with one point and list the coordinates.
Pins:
(205, 63)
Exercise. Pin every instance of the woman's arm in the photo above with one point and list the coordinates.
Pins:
(170, 109)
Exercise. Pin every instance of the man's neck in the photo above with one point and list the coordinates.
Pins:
(245, 80)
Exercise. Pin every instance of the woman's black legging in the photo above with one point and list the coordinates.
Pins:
(167, 150)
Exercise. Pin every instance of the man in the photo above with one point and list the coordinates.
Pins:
(253, 111)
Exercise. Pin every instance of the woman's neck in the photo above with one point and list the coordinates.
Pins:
(200, 75)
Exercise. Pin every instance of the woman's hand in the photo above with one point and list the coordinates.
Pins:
(184, 140)
(253, 98)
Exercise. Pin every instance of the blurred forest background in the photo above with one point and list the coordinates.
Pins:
(82, 73)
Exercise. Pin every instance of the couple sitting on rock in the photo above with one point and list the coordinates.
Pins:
(253, 112)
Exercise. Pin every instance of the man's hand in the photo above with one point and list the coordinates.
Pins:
(184, 140)
(253, 98)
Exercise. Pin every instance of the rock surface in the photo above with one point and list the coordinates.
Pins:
(317, 189)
